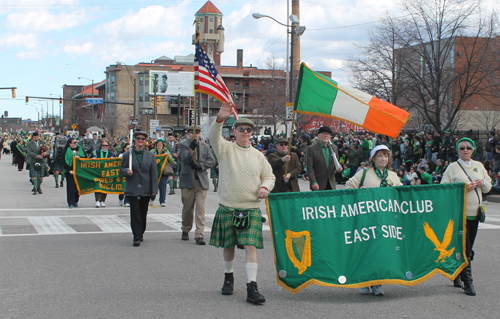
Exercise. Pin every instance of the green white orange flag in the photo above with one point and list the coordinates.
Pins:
(320, 95)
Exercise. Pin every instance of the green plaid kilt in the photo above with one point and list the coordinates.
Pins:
(58, 166)
(214, 173)
(41, 173)
(224, 235)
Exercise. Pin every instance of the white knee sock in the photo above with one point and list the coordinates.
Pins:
(228, 266)
(251, 269)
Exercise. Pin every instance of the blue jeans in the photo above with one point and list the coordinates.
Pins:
(162, 188)
(489, 156)
(429, 155)
(396, 164)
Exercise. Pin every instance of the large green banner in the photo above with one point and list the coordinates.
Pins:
(362, 237)
(103, 175)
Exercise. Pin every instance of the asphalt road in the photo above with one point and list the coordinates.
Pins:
(58, 262)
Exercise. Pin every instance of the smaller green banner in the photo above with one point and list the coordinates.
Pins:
(103, 174)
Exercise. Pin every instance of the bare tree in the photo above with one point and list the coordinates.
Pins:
(273, 110)
(438, 56)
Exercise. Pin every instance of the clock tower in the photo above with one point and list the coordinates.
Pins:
(211, 31)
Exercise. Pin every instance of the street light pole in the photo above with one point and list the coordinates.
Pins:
(292, 41)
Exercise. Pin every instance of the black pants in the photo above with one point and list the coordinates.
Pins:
(20, 162)
(470, 237)
(71, 191)
(138, 214)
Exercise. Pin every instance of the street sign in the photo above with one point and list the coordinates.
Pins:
(154, 123)
(289, 111)
(167, 97)
(158, 129)
(135, 122)
(94, 101)
(73, 126)
(190, 117)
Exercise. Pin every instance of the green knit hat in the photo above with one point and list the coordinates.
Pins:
(466, 139)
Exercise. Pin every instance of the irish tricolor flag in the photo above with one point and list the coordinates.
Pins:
(319, 95)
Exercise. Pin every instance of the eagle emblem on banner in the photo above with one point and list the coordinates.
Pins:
(443, 245)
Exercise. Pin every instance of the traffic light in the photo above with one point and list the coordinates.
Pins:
(27, 100)
(158, 101)
(153, 102)
(60, 101)
(13, 93)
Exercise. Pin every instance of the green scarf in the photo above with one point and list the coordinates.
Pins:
(383, 176)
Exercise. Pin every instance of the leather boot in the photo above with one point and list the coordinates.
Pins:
(227, 288)
(457, 282)
(253, 295)
(466, 277)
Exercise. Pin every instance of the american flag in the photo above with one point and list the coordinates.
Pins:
(208, 80)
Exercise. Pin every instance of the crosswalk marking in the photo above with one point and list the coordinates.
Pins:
(110, 223)
(56, 225)
(50, 225)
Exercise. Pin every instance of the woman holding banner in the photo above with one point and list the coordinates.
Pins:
(167, 173)
(70, 151)
(466, 170)
(378, 175)
(102, 152)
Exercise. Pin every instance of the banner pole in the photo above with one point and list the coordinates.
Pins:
(290, 140)
(130, 150)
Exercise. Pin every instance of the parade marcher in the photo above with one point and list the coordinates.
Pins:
(162, 185)
(96, 142)
(173, 147)
(378, 175)
(58, 158)
(353, 157)
(102, 152)
(247, 177)
(141, 184)
(122, 199)
(196, 158)
(214, 171)
(70, 151)
(448, 148)
(18, 153)
(320, 164)
(36, 154)
(285, 181)
(467, 170)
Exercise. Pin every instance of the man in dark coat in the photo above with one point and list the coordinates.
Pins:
(286, 181)
(320, 163)
(141, 184)
(196, 158)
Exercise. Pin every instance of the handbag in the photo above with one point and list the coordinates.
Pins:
(167, 170)
(481, 210)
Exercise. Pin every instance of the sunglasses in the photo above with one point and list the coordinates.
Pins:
(245, 129)
(282, 144)
(464, 148)
(104, 145)
(140, 138)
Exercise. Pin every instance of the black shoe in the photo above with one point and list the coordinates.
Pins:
(39, 190)
(137, 243)
(215, 190)
(171, 192)
(457, 282)
(253, 295)
(62, 184)
(34, 192)
(185, 236)
(57, 185)
(227, 288)
(200, 241)
(469, 288)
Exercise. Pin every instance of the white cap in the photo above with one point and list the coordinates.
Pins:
(378, 148)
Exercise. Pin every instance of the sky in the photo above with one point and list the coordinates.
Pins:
(45, 44)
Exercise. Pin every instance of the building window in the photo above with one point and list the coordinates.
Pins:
(141, 80)
(236, 98)
(141, 96)
(211, 31)
(112, 96)
(112, 80)
(245, 82)
(210, 48)
(211, 20)
(237, 82)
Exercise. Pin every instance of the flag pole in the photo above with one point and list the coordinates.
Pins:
(197, 21)
(130, 149)
(290, 140)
